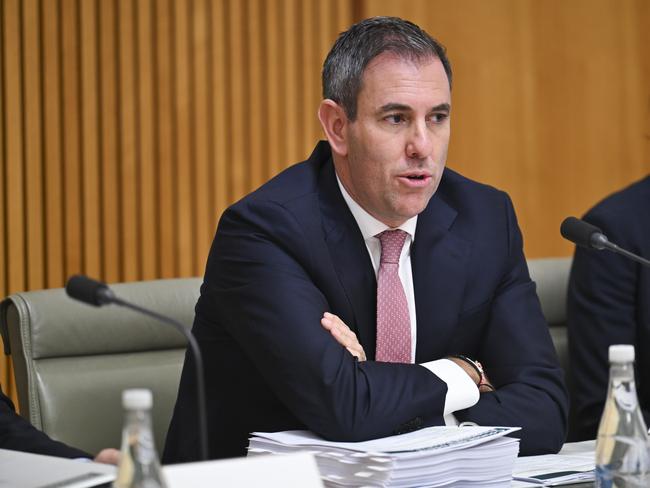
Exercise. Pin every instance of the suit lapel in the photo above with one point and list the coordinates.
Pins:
(351, 260)
(438, 260)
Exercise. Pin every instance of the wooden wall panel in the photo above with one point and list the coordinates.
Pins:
(551, 100)
(128, 127)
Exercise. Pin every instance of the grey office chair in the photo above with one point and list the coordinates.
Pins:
(72, 360)
(552, 278)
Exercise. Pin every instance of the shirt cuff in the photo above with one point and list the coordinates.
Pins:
(462, 392)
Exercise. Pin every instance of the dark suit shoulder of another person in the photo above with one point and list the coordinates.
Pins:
(609, 303)
(17, 434)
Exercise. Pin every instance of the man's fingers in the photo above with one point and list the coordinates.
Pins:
(343, 335)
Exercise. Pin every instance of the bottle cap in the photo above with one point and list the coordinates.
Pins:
(621, 353)
(137, 398)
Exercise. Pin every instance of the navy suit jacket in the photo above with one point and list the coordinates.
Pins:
(292, 250)
(18, 434)
(609, 303)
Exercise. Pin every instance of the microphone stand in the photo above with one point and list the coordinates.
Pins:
(198, 368)
(610, 246)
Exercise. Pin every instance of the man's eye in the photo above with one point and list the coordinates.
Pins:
(395, 118)
(438, 118)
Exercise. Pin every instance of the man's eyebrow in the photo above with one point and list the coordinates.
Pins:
(399, 107)
(394, 107)
(443, 107)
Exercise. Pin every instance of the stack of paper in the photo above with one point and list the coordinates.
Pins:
(436, 456)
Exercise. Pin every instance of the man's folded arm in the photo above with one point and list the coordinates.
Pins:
(520, 359)
(259, 288)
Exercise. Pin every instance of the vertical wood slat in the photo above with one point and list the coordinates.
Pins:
(53, 166)
(183, 158)
(33, 189)
(256, 113)
(237, 102)
(3, 167)
(73, 250)
(128, 140)
(309, 71)
(291, 107)
(201, 182)
(148, 248)
(110, 157)
(219, 113)
(14, 255)
(14, 115)
(90, 187)
(5, 363)
(164, 104)
(274, 32)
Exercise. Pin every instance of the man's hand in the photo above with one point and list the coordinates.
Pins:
(343, 335)
(108, 456)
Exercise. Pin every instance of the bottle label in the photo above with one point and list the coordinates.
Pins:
(625, 397)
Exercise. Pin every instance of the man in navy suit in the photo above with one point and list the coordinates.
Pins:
(288, 314)
(609, 303)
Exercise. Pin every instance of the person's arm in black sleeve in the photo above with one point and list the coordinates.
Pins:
(601, 311)
(18, 434)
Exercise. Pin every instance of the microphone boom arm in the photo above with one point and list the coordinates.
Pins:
(610, 246)
(198, 367)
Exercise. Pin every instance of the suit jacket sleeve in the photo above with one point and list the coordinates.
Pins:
(518, 354)
(18, 434)
(265, 286)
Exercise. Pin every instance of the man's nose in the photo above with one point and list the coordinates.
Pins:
(420, 142)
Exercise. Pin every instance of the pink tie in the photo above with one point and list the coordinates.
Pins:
(393, 322)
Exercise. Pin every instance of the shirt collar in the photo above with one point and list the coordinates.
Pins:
(369, 225)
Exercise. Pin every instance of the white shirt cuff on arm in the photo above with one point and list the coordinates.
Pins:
(462, 392)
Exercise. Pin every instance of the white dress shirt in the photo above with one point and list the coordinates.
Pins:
(461, 391)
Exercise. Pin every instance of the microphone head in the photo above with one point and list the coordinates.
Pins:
(89, 291)
(581, 233)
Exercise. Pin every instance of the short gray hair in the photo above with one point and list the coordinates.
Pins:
(355, 48)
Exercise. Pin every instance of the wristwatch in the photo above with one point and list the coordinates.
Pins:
(478, 367)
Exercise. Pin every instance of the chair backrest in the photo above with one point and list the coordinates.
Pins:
(72, 360)
(552, 278)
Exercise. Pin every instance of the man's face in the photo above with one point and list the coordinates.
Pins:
(397, 146)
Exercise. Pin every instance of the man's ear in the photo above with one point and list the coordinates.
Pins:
(335, 124)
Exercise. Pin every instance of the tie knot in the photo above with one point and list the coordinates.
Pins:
(392, 242)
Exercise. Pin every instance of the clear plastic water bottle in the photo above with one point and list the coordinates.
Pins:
(139, 466)
(622, 449)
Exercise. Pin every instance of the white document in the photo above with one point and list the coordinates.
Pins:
(574, 464)
(26, 470)
(295, 470)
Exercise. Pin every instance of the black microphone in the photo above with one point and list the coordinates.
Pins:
(586, 235)
(97, 293)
